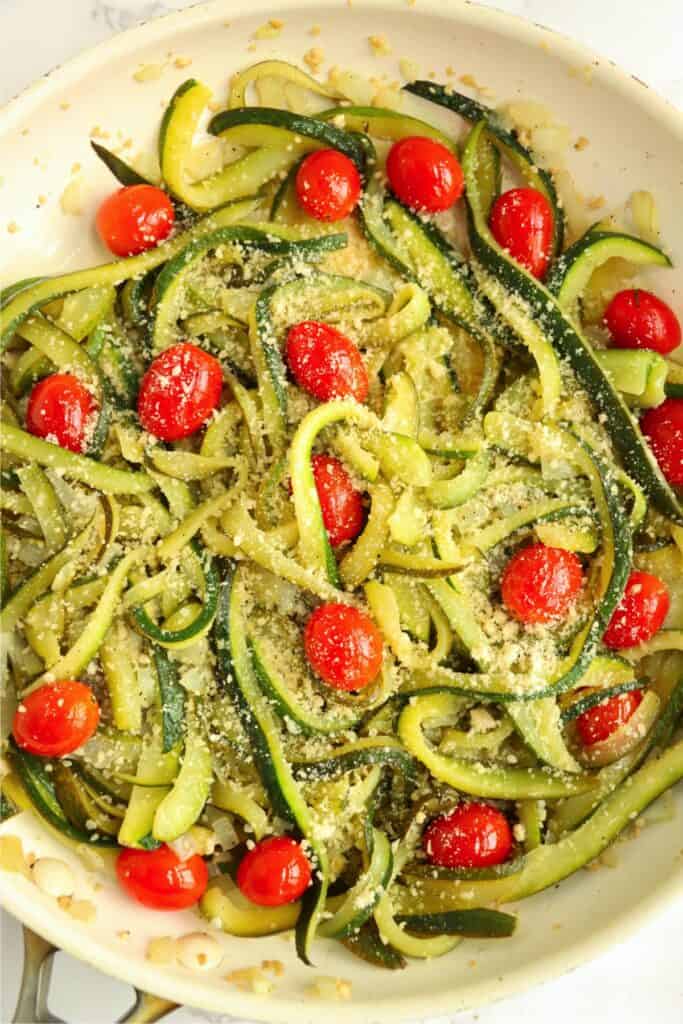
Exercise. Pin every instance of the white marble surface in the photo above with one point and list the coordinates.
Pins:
(641, 980)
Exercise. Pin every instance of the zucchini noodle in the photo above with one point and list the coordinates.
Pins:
(176, 579)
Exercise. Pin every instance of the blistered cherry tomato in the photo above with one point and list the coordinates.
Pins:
(56, 718)
(424, 174)
(640, 613)
(600, 721)
(179, 391)
(540, 583)
(638, 319)
(62, 410)
(326, 363)
(160, 879)
(521, 222)
(472, 835)
(663, 427)
(343, 646)
(328, 185)
(275, 872)
(340, 502)
(135, 218)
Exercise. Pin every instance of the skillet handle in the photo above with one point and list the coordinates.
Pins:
(34, 989)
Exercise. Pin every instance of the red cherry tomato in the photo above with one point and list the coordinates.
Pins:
(640, 613)
(343, 646)
(56, 719)
(135, 218)
(325, 362)
(340, 502)
(160, 879)
(599, 722)
(638, 319)
(275, 872)
(328, 185)
(179, 391)
(62, 410)
(522, 223)
(472, 835)
(663, 427)
(424, 174)
(540, 583)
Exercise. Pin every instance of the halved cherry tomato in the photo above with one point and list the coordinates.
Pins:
(472, 835)
(343, 646)
(160, 879)
(62, 410)
(340, 502)
(424, 174)
(638, 319)
(135, 218)
(275, 872)
(522, 223)
(599, 722)
(640, 613)
(540, 583)
(56, 718)
(179, 391)
(328, 185)
(326, 363)
(663, 427)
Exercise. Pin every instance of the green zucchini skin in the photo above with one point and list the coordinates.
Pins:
(383, 751)
(598, 697)
(473, 111)
(309, 722)
(297, 124)
(262, 728)
(509, 867)
(589, 252)
(248, 237)
(571, 346)
(203, 620)
(123, 172)
(474, 924)
(367, 945)
(171, 699)
(41, 790)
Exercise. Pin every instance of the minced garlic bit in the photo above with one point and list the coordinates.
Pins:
(99, 133)
(330, 989)
(314, 30)
(53, 877)
(123, 935)
(182, 62)
(482, 720)
(270, 30)
(250, 979)
(314, 58)
(410, 69)
(276, 967)
(596, 202)
(149, 72)
(519, 832)
(73, 198)
(80, 910)
(161, 950)
(198, 951)
(379, 46)
(13, 227)
(64, 105)
(581, 143)
(12, 857)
